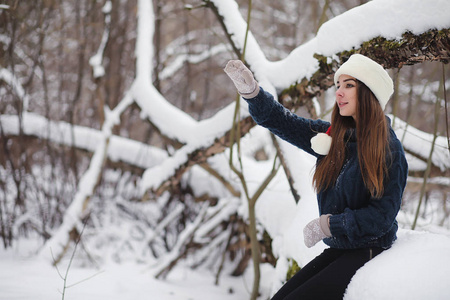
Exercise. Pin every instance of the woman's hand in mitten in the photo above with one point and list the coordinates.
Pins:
(242, 78)
(316, 230)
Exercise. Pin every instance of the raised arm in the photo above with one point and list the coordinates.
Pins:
(271, 114)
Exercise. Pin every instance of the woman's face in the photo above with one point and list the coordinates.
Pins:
(346, 96)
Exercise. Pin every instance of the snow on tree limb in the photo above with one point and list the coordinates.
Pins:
(121, 149)
(155, 107)
(175, 66)
(96, 60)
(419, 143)
(11, 80)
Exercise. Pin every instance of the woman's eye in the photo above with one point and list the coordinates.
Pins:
(349, 85)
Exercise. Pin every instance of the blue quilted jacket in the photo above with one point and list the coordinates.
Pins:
(358, 220)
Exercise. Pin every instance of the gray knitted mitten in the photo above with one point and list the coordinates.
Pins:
(316, 230)
(242, 78)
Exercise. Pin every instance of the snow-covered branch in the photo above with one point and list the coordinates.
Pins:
(419, 143)
(15, 84)
(57, 245)
(96, 60)
(176, 65)
(121, 149)
(167, 262)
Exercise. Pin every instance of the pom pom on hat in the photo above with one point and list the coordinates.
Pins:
(371, 74)
(321, 143)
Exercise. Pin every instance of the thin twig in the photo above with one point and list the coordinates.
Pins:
(445, 105)
(429, 161)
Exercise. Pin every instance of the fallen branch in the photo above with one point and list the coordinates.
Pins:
(197, 156)
(180, 249)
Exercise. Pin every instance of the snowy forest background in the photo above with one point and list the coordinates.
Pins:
(123, 141)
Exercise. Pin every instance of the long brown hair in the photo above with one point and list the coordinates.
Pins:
(372, 144)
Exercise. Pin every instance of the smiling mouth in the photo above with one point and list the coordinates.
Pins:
(341, 104)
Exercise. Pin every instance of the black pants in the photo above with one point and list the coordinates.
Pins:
(327, 275)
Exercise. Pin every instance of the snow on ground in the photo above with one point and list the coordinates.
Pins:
(27, 277)
(416, 267)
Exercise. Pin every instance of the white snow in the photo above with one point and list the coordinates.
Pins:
(23, 277)
(415, 268)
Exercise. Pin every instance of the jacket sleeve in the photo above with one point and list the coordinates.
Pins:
(378, 217)
(280, 121)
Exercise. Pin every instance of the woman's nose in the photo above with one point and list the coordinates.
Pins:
(339, 92)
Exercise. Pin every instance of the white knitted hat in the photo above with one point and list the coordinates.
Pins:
(371, 74)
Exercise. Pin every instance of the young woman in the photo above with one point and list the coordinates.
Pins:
(360, 173)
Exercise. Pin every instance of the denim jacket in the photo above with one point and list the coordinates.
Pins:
(358, 220)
